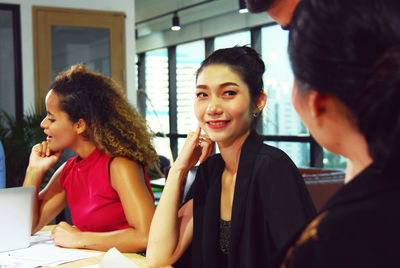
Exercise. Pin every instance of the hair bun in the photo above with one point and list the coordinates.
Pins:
(379, 116)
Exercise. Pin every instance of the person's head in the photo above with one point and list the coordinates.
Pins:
(350, 51)
(229, 92)
(279, 10)
(91, 106)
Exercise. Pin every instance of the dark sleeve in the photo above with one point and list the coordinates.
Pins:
(287, 202)
(327, 253)
(308, 255)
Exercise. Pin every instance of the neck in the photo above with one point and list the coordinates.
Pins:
(84, 148)
(357, 155)
(230, 152)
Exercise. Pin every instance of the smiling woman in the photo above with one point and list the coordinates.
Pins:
(106, 185)
(245, 202)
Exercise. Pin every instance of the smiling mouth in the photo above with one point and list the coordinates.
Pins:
(217, 124)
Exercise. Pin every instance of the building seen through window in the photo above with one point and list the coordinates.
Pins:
(188, 59)
(157, 97)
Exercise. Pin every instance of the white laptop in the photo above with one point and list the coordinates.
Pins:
(16, 209)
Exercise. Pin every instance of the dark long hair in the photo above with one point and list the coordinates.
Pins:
(351, 50)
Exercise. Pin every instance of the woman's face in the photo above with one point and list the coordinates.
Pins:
(298, 102)
(222, 104)
(61, 132)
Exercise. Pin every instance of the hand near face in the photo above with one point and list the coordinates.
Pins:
(65, 235)
(42, 158)
(196, 148)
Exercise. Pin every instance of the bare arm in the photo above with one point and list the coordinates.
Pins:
(49, 202)
(127, 179)
(172, 228)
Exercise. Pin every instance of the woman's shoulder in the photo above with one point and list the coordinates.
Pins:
(328, 239)
(272, 151)
(120, 164)
(268, 155)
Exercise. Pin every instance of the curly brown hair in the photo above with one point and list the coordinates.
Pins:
(113, 124)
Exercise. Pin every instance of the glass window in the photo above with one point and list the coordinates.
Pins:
(71, 45)
(157, 101)
(157, 98)
(335, 161)
(7, 81)
(161, 144)
(231, 40)
(188, 59)
(279, 116)
(299, 152)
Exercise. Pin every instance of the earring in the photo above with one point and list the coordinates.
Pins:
(257, 112)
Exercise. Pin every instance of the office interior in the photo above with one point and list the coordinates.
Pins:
(132, 41)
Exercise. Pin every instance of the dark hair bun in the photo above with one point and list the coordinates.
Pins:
(379, 114)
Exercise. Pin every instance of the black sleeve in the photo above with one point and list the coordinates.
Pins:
(288, 204)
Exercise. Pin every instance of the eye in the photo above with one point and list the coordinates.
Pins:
(201, 95)
(52, 120)
(230, 93)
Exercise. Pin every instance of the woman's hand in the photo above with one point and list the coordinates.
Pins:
(196, 148)
(66, 236)
(42, 158)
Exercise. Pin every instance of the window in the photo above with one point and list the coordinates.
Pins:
(279, 116)
(231, 40)
(188, 59)
(332, 160)
(157, 98)
(63, 37)
(10, 61)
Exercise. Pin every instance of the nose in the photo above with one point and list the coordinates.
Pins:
(43, 124)
(214, 106)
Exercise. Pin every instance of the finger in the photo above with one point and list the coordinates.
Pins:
(44, 148)
(195, 135)
(210, 148)
(47, 149)
(38, 149)
(193, 138)
(206, 149)
(198, 131)
(53, 232)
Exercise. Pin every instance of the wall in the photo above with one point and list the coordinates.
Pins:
(126, 6)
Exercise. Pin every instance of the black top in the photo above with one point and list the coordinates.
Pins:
(357, 227)
(224, 236)
(271, 204)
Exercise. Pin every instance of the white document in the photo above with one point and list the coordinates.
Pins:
(114, 258)
(43, 253)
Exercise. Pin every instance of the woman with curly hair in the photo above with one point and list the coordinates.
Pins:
(105, 185)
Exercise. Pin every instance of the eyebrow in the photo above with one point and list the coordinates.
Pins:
(49, 113)
(226, 84)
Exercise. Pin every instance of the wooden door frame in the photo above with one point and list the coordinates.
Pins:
(45, 17)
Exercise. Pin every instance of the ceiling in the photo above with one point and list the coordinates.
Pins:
(156, 15)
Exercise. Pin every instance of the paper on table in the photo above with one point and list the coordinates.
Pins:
(42, 254)
(114, 258)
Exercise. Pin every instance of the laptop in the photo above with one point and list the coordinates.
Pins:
(16, 209)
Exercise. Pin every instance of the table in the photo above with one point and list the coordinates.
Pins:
(139, 260)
